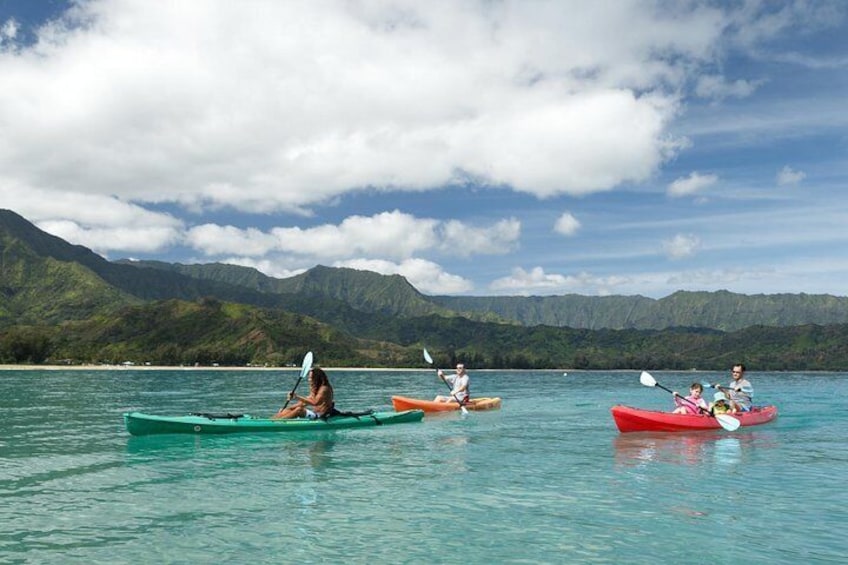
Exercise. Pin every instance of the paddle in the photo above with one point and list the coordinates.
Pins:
(461, 405)
(746, 390)
(304, 370)
(729, 423)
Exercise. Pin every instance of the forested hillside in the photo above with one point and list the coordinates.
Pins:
(61, 303)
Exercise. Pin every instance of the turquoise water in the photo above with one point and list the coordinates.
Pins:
(547, 479)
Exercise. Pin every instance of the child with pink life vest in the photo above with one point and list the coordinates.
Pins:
(692, 404)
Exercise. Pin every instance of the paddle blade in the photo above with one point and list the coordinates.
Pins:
(705, 384)
(307, 365)
(647, 379)
(729, 423)
(427, 357)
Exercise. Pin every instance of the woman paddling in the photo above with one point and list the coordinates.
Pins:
(318, 404)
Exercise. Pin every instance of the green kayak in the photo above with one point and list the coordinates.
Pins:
(139, 424)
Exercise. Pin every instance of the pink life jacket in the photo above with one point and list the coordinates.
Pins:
(692, 404)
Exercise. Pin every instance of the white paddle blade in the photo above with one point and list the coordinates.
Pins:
(729, 423)
(307, 365)
(647, 379)
(427, 356)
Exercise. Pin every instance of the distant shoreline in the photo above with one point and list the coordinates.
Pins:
(188, 368)
(233, 368)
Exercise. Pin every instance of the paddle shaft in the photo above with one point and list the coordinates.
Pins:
(725, 389)
(700, 408)
(461, 404)
(300, 378)
(462, 407)
(304, 370)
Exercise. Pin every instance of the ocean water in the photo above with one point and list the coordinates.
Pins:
(546, 479)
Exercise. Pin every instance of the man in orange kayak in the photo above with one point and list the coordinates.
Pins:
(458, 383)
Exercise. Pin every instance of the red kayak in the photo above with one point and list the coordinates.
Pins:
(636, 420)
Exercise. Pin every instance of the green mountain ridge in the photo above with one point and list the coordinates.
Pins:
(722, 310)
(60, 302)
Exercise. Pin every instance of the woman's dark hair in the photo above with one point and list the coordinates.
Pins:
(319, 378)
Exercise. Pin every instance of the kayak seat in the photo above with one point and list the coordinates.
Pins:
(333, 412)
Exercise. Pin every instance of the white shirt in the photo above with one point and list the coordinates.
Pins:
(458, 382)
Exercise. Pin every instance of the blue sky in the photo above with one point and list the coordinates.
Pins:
(480, 148)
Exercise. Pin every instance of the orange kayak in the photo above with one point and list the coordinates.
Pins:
(402, 403)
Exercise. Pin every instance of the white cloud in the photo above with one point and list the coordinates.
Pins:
(8, 31)
(213, 239)
(681, 246)
(266, 266)
(104, 240)
(298, 102)
(788, 176)
(567, 224)
(464, 240)
(717, 87)
(537, 281)
(387, 235)
(426, 276)
(695, 182)
(102, 223)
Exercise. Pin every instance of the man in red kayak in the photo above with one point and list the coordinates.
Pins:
(458, 383)
(740, 393)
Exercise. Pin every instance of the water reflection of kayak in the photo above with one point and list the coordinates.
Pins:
(629, 419)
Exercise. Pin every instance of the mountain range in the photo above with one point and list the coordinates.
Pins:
(64, 303)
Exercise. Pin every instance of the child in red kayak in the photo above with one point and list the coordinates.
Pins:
(692, 404)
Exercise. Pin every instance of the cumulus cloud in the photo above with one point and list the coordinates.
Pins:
(681, 246)
(788, 176)
(566, 224)
(300, 102)
(8, 31)
(465, 240)
(288, 107)
(537, 281)
(392, 235)
(692, 184)
(213, 239)
(269, 267)
(426, 276)
(102, 223)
